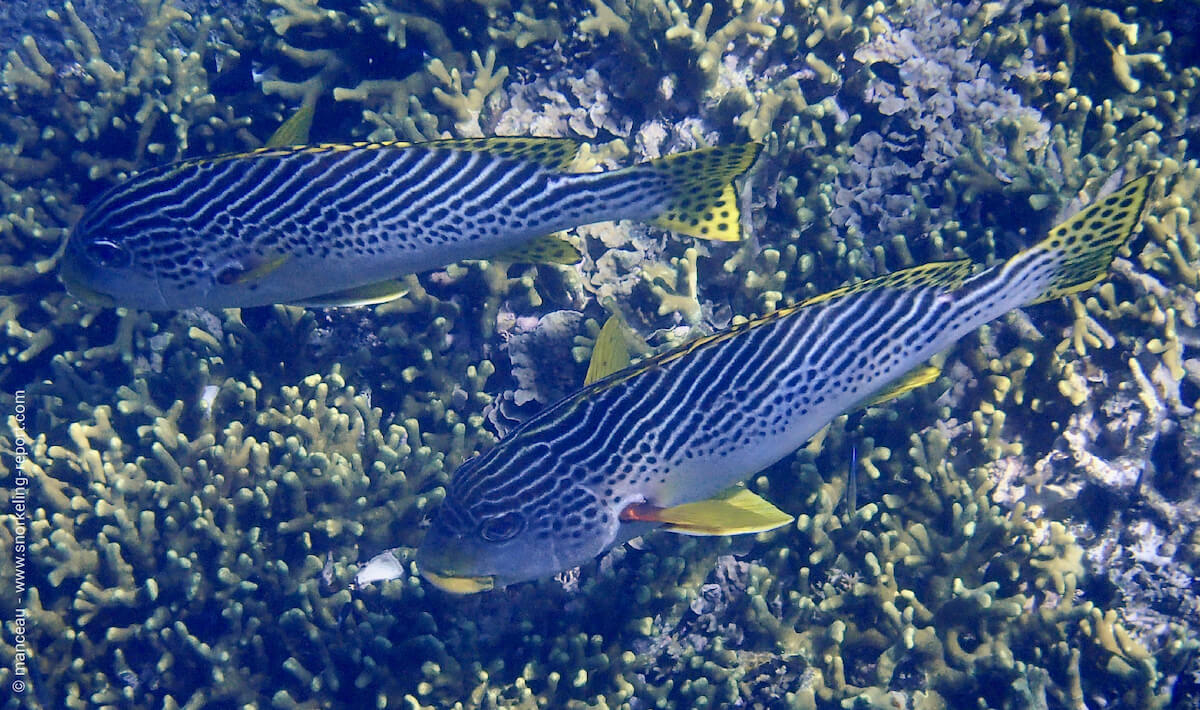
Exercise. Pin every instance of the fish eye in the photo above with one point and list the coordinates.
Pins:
(502, 527)
(106, 252)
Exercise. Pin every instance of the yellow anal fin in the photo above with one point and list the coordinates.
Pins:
(1088, 242)
(553, 153)
(737, 511)
(550, 249)
(369, 295)
(705, 203)
(919, 377)
(293, 131)
(609, 354)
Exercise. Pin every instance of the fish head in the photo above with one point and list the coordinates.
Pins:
(142, 245)
(130, 248)
(101, 269)
(493, 531)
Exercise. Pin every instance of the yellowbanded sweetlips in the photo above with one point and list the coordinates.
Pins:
(663, 443)
(335, 224)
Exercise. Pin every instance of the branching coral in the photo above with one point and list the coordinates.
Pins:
(68, 131)
(193, 529)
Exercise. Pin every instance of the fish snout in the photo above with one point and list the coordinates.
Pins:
(458, 584)
(443, 560)
(70, 274)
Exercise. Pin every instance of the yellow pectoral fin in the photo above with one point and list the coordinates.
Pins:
(251, 269)
(917, 378)
(735, 512)
(609, 354)
(369, 295)
(550, 249)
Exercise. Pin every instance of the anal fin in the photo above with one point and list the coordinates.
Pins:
(924, 375)
(368, 295)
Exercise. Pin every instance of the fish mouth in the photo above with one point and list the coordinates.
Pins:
(83, 293)
(455, 584)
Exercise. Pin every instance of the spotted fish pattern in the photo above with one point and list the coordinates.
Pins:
(297, 224)
(689, 423)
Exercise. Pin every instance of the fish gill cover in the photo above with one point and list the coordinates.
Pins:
(201, 486)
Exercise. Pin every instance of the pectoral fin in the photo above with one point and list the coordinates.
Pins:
(609, 354)
(550, 249)
(369, 295)
(250, 269)
(734, 512)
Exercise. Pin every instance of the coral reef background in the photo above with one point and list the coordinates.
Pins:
(203, 485)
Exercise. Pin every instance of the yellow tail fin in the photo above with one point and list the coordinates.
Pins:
(1089, 241)
(705, 203)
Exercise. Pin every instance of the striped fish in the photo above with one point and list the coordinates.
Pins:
(339, 224)
(656, 444)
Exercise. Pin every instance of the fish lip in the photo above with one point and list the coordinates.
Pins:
(457, 584)
(83, 293)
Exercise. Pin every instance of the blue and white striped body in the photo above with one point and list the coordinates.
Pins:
(290, 225)
(682, 426)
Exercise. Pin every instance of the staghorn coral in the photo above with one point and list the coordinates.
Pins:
(72, 129)
(164, 539)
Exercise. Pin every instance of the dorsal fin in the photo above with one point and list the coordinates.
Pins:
(550, 249)
(553, 153)
(945, 274)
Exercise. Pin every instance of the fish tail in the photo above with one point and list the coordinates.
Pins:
(703, 200)
(1075, 255)
(1078, 252)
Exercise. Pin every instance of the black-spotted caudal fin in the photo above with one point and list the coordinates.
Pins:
(704, 202)
(1085, 245)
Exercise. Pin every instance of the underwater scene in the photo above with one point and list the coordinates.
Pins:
(599, 354)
